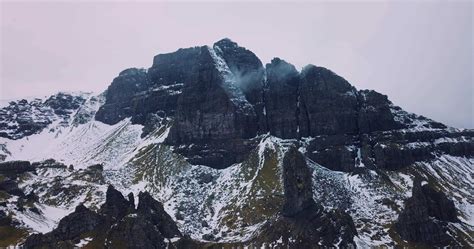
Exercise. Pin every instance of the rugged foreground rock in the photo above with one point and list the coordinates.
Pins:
(303, 223)
(118, 224)
(425, 217)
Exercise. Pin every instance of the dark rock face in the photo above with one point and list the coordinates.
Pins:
(281, 99)
(425, 216)
(374, 113)
(117, 225)
(249, 75)
(297, 183)
(174, 68)
(214, 109)
(304, 223)
(328, 103)
(217, 99)
(120, 94)
(115, 206)
(334, 151)
(153, 212)
(10, 186)
(311, 229)
(64, 104)
(389, 150)
(134, 232)
(212, 94)
(69, 229)
(15, 167)
(217, 153)
(209, 110)
(49, 163)
(133, 94)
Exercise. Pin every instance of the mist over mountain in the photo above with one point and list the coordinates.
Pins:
(215, 149)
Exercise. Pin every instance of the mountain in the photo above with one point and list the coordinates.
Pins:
(218, 150)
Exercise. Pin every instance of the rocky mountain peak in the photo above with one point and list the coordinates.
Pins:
(281, 71)
(226, 43)
(132, 71)
(326, 79)
(223, 92)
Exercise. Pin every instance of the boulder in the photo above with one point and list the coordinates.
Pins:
(425, 216)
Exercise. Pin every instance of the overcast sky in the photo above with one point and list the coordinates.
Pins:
(418, 53)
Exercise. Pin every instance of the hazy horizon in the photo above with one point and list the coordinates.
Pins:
(419, 53)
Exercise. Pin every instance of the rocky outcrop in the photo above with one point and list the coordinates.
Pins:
(69, 229)
(153, 211)
(328, 103)
(16, 120)
(115, 206)
(281, 99)
(24, 118)
(148, 226)
(303, 223)
(388, 150)
(117, 225)
(297, 183)
(15, 167)
(134, 232)
(10, 186)
(375, 113)
(133, 94)
(310, 229)
(49, 163)
(213, 113)
(425, 217)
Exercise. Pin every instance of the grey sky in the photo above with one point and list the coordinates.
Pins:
(418, 53)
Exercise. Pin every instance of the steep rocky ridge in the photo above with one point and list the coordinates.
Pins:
(219, 98)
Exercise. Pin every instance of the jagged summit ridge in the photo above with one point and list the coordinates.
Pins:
(221, 92)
